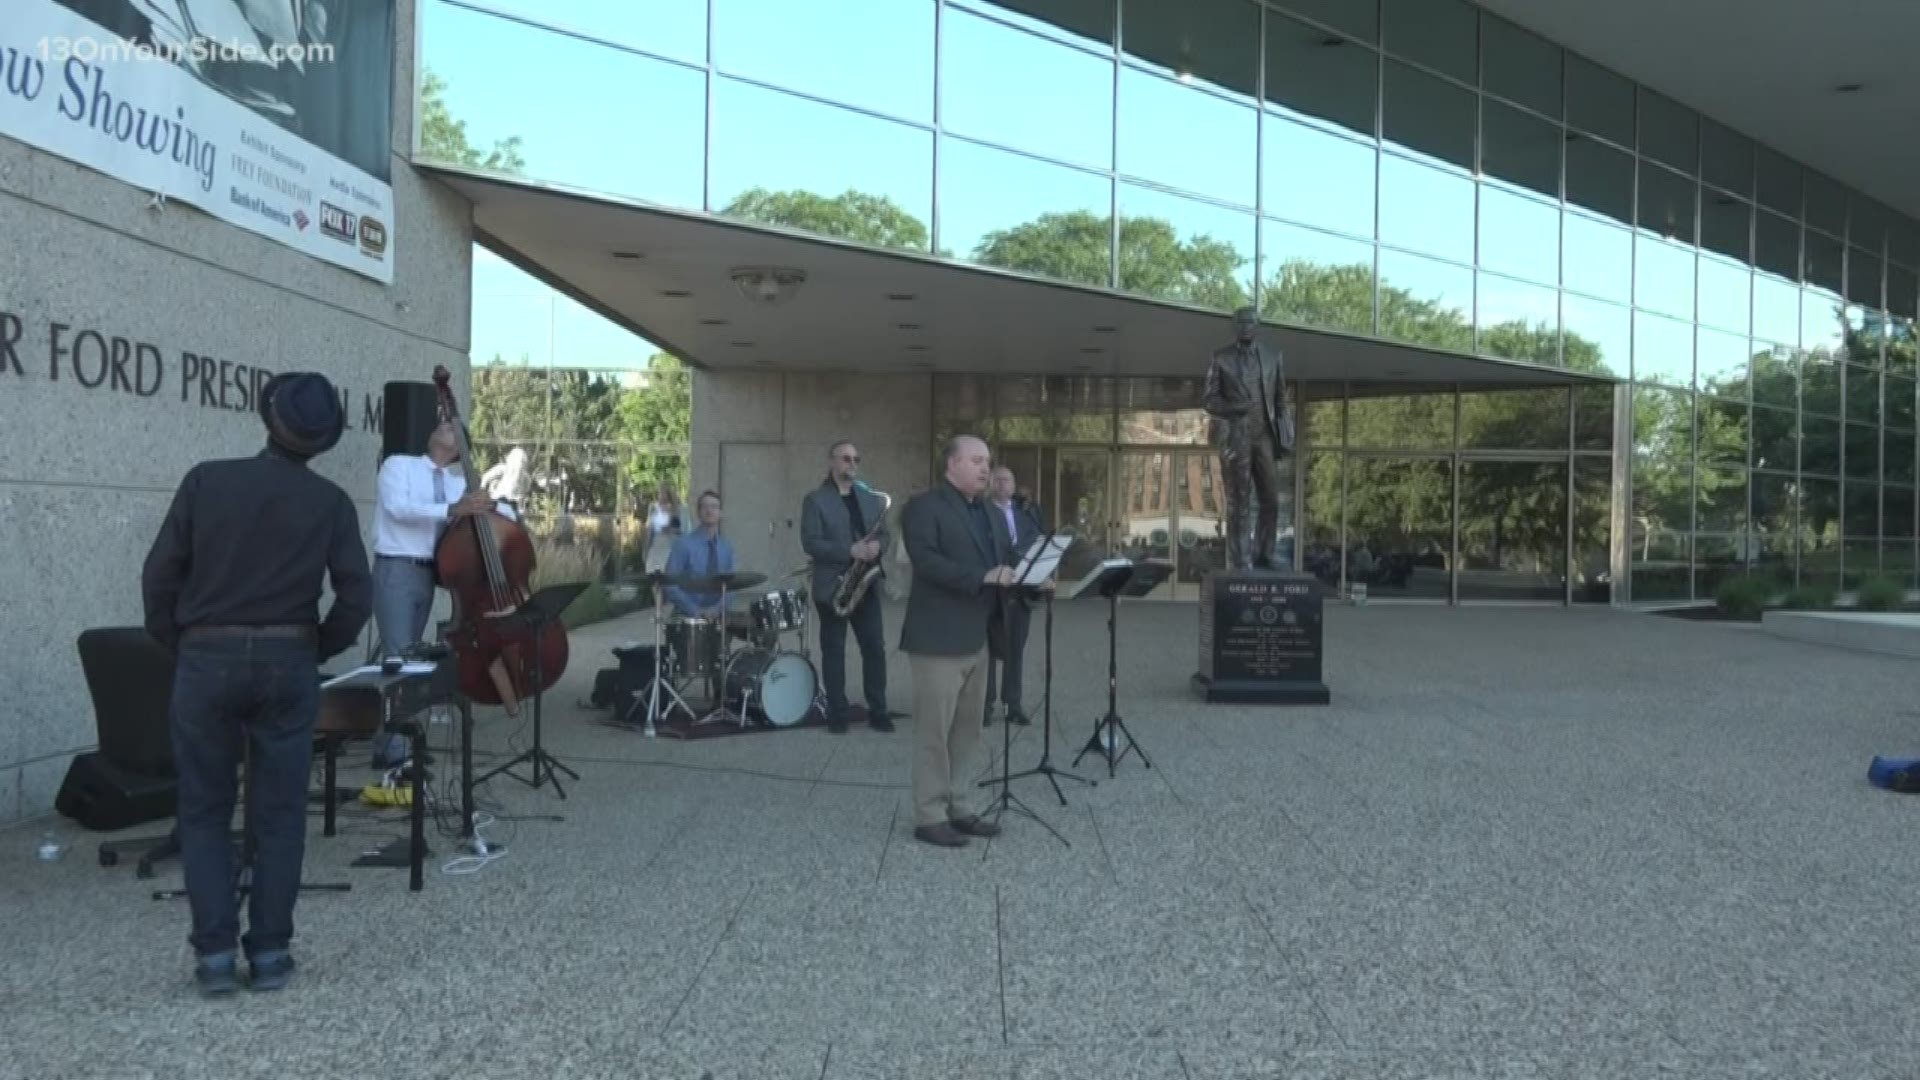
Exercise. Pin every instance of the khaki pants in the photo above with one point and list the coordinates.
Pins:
(949, 697)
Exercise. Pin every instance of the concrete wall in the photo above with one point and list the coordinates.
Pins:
(86, 474)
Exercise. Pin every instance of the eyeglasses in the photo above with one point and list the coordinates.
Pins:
(851, 459)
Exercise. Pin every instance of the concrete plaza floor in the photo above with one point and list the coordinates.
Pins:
(1520, 844)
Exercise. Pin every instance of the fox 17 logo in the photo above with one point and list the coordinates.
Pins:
(338, 223)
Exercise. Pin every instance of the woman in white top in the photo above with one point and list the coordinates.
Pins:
(508, 479)
(663, 524)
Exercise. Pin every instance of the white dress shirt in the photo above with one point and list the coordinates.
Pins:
(412, 510)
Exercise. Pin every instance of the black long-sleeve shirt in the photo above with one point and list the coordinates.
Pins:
(247, 542)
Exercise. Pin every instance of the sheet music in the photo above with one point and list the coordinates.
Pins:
(1042, 559)
(408, 667)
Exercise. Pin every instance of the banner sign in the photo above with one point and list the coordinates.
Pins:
(246, 116)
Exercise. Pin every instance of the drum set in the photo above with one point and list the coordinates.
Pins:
(734, 661)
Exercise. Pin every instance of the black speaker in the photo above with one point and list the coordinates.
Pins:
(101, 796)
(408, 414)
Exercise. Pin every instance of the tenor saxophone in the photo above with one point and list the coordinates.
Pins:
(854, 582)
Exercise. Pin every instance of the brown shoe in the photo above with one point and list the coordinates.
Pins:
(942, 835)
(976, 826)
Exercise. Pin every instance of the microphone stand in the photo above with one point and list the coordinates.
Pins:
(1046, 768)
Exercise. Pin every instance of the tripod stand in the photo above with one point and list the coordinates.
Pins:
(659, 678)
(544, 607)
(1114, 578)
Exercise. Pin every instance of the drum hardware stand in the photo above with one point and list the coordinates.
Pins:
(660, 671)
(539, 610)
(1045, 768)
(720, 711)
(1113, 578)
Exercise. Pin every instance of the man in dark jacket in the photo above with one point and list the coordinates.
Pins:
(1007, 631)
(835, 520)
(959, 552)
(232, 585)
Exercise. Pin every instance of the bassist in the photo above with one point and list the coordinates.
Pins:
(843, 526)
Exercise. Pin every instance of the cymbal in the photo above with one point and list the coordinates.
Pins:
(707, 583)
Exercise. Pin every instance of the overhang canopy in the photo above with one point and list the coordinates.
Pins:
(667, 275)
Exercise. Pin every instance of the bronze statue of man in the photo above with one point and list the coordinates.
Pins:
(1251, 427)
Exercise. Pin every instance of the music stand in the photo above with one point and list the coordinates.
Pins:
(1113, 579)
(542, 608)
(1035, 568)
(1046, 768)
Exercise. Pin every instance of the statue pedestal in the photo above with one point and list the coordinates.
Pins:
(1260, 639)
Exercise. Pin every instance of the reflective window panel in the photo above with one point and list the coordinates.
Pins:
(1598, 336)
(671, 28)
(536, 128)
(1514, 419)
(1520, 149)
(1426, 302)
(1868, 223)
(1519, 235)
(1897, 561)
(1185, 250)
(1720, 494)
(1662, 491)
(1820, 384)
(1057, 408)
(1360, 18)
(1863, 452)
(1826, 207)
(1897, 507)
(784, 160)
(1314, 278)
(1517, 320)
(1597, 257)
(1318, 178)
(1721, 363)
(1720, 427)
(1725, 292)
(1776, 440)
(1819, 446)
(885, 67)
(1776, 502)
(1662, 350)
(1899, 451)
(1716, 558)
(1592, 530)
(1593, 418)
(1726, 158)
(1777, 182)
(1776, 310)
(1599, 102)
(1438, 34)
(1862, 514)
(1862, 391)
(1400, 526)
(1321, 553)
(1426, 208)
(1003, 209)
(1520, 66)
(1215, 45)
(1864, 274)
(1429, 116)
(1315, 75)
(1819, 533)
(1187, 138)
(1061, 106)
(1669, 132)
(1513, 530)
(1323, 414)
(1411, 421)
(1899, 402)
(1903, 243)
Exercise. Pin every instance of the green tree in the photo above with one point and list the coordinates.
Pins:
(654, 423)
(444, 139)
(874, 220)
(1077, 246)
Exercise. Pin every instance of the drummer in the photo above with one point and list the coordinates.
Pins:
(700, 553)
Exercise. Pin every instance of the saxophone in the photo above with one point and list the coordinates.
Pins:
(854, 582)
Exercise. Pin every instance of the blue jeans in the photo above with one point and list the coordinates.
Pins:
(867, 631)
(265, 691)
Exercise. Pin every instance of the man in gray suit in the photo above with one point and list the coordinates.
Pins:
(834, 521)
(1007, 632)
(1251, 427)
(959, 551)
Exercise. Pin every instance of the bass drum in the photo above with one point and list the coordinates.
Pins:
(780, 686)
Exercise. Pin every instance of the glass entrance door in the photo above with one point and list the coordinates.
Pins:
(1080, 498)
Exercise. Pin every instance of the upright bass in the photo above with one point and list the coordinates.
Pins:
(486, 561)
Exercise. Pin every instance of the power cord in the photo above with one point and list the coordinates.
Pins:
(484, 854)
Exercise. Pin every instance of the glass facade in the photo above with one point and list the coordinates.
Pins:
(1420, 171)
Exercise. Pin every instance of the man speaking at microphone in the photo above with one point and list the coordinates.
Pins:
(959, 551)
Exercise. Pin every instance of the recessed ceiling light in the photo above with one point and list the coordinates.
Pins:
(1331, 42)
(764, 363)
(1397, 372)
(1093, 350)
(899, 296)
(677, 294)
(1106, 329)
(628, 255)
(743, 344)
(1849, 88)
(909, 326)
(713, 322)
(916, 348)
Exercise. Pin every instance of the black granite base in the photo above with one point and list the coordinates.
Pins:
(1260, 639)
(1261, 692)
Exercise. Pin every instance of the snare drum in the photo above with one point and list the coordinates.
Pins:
(779, 686)
(694, 646)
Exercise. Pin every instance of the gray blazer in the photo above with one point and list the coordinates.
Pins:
(1228, 401)
(947, 610)
(827, 536)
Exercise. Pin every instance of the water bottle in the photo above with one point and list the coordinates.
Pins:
(50, 848)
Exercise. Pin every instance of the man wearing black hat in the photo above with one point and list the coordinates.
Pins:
(232, 585)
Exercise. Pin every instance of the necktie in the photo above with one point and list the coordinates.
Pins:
(439, 485)
(713, 554)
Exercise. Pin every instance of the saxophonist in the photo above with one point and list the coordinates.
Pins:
(843, 529)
